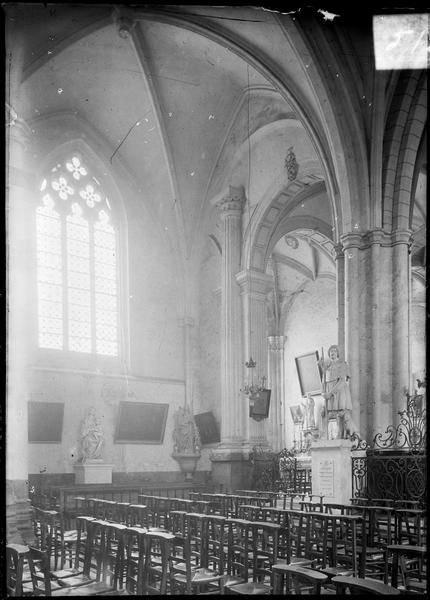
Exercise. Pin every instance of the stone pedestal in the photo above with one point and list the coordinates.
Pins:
(93, 472)
(188, 464)
(231, 469)
(331, 470)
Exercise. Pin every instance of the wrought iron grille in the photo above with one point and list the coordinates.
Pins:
(395, 465)
(411, 433)
(396, 475)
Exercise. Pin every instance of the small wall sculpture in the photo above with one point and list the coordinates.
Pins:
(186, 437)
(91, 441)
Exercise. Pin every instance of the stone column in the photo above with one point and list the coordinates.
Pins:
(276, 427)
(20, 317)
(353, 307)
(340, 296)
(231, 402)
(401, 241)
(228, 459)
(254, 285)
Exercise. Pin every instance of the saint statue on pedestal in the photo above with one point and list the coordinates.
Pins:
(336, 392)
(91, 437)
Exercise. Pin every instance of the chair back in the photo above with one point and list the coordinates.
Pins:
(157, 550)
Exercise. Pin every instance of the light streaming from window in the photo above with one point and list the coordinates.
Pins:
(49, 279)
(76, 263)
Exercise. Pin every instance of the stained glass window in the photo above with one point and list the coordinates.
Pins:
(76, 263)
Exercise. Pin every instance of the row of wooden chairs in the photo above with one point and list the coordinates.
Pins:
(374, 534)
(292, 540)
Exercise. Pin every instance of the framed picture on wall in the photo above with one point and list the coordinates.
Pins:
(208, 427)
(45, 422)
(141, 423)
(309, 373)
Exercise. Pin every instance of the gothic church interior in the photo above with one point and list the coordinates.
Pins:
(190, 187)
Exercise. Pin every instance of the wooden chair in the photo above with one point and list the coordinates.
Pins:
(380, 527)
(79, 555)
(410, 526)
(178, 523)
(363, 586)
(15, 557)
(137, 515)
(114, 554)
(217, 542)
(109, 566)
(297, 524)
(120, 512)
(157, 550)
(197, 534)
(410, 562)
(239, 536)
(261, 559)
(293, 539)
(40, 583)
(318, 528)
(341, 557)
(130, 578)
(249, 512)
(311, 506)
(334, 508)
(297, 579)
(93, 563)
(242, 560)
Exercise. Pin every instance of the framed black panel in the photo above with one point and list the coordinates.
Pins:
(141, 423)
(208, 428)
(45, 422)
(309, 373)
(261, 404)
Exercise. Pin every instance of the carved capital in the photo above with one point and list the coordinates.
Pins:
(401, 237)
(232, 203)
(187, 322)
(351, 240)
(375, 237)
(253, 282)
(276, 343)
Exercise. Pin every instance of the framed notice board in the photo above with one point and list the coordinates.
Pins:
(309, 373)
(45, 422)
(208, 427)
(141, 423)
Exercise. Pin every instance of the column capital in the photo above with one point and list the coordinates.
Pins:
(351, 240)
(256, 283)
(231, 205)
(276, 343)
(186, 322)
(365, 240)
(400, 236)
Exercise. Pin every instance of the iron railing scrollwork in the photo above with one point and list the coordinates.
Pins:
(359, 476)
(410, 433)
(395, 464)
